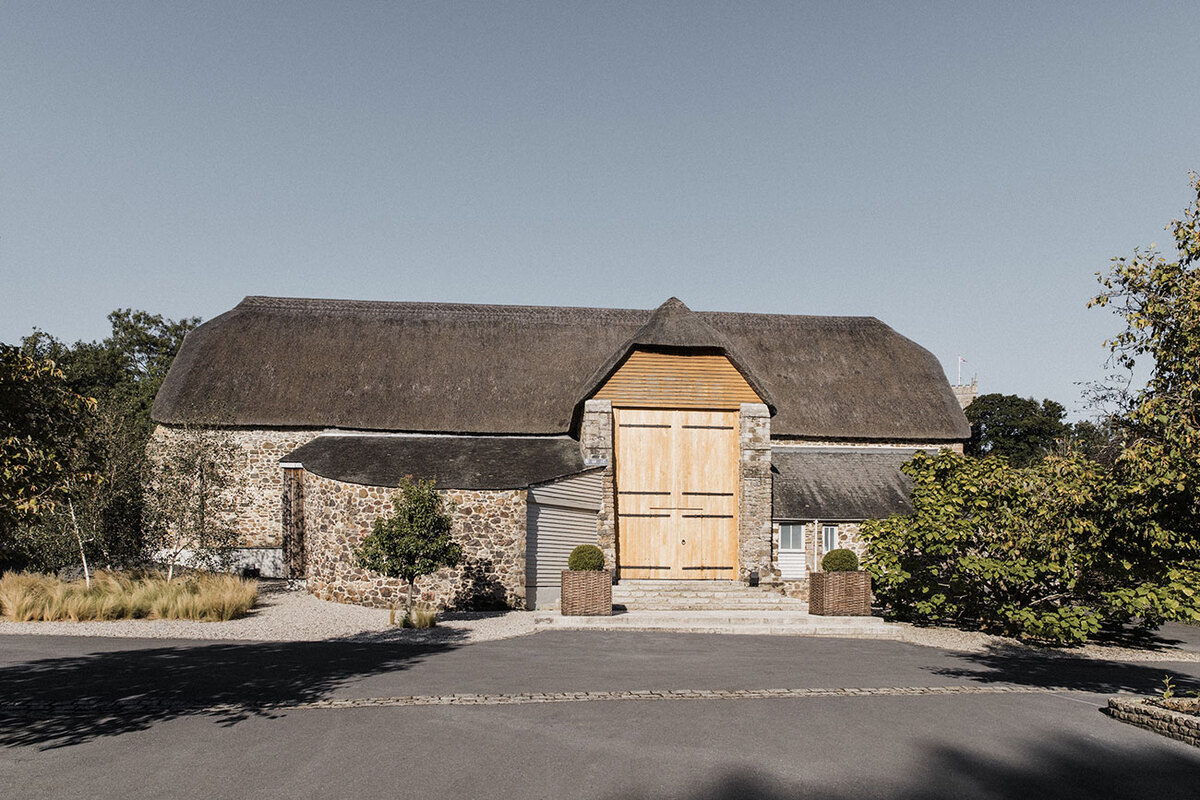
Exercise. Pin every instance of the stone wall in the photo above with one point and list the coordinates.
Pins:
(1176, 723)
(258, 479)
(965, 393)
(754, 493)
(596, 442)
(490, 526)
(929, 447)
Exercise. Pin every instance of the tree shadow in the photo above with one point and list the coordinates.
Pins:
(1136, 638)
(481, 588)
(1070, 768)
(1012, 664)
(59, 702)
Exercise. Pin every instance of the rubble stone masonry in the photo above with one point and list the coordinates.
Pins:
(596, 442)
(258, 478)
(754, 501)
(490, 526)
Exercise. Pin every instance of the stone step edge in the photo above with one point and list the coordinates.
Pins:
(714, 618)
(742, 630)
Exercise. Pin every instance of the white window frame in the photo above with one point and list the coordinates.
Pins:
(795, 531)
(829, 533)
(793, 561)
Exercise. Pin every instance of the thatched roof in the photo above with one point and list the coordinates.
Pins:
(448, 368)
(839, 483)
(453, 462)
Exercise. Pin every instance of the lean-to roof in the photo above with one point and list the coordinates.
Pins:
(456, 368)
(839, 483)
(453, 462)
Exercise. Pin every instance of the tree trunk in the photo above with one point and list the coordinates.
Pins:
(87, 576)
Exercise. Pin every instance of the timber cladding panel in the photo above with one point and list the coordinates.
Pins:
(677, 493)
(666, 380)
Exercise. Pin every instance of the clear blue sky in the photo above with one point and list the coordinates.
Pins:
(958, 170)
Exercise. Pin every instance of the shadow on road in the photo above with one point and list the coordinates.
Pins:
(1016, 665)
(58, 702)
(1071, 768)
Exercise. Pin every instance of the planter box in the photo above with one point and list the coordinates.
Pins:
(839, 594)
(587, 594)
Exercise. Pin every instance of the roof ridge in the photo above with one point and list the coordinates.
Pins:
(441, 309)
(494, 310)
(765, 317)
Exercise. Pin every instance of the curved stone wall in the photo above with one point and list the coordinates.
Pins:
(490, 526)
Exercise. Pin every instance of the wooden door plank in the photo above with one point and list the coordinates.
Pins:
(676, 480)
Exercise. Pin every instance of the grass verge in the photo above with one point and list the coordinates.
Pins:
(203, 597)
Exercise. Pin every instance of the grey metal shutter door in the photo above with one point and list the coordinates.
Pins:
(561, 517)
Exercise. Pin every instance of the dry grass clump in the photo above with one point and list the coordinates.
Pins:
(203, 597)
(421, 617)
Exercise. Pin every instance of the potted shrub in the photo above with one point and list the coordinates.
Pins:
(586, 584)
(841, 589)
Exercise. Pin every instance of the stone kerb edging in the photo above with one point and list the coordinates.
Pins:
(1141, 712)
(19, 708)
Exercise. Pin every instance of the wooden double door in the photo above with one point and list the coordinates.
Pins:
(676, 486)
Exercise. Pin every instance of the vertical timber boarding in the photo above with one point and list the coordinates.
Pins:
(560, 516)
(295, 560)
(677, 489)
(677, 493)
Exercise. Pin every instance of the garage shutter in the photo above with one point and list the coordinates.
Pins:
(562, 515)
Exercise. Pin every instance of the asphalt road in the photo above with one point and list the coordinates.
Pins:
(131, 719)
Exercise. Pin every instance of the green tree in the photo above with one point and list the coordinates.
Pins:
(1158, 468)
(143, 345)
(42, 421)
(1074, 541)
(100, 514)
(1093, 440)
(1011, 550)
(1019, 429)
(414, 540)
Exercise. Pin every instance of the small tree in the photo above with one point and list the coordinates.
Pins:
(189, 499)
(414, 540)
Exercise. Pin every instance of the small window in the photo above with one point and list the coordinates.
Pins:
(791, 537)
(829, 537)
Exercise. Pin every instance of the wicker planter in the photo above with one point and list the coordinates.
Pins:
(839, 594)
(587, 594)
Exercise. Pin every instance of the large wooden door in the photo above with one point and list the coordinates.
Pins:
(676, 476)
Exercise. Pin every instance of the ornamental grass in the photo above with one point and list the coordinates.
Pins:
(201, 597)
(421, 617)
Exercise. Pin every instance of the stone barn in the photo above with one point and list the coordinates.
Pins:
(690, 446)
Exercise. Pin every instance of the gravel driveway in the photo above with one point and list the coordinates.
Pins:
(293, 615)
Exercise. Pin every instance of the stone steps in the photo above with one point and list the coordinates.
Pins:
(700, 596)
(760, 623)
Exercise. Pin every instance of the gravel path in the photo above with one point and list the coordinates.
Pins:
(973, 642)
(293, 615)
